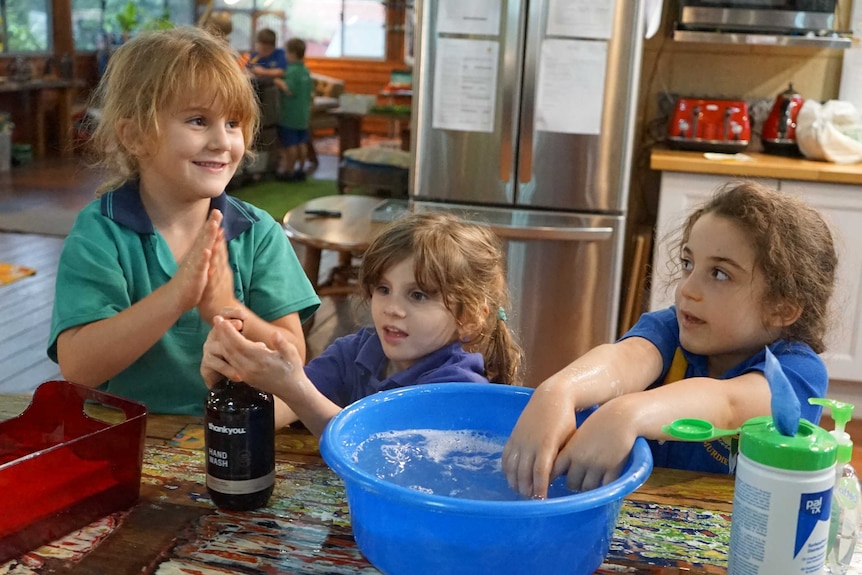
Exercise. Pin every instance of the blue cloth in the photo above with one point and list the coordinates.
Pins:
(351, 367)
(114, 257)
(288, 137)
(277, 59)
(784, 403)
(805, 371)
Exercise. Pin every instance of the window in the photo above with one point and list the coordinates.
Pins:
(330, 28)
(26, 26)
(96, 22)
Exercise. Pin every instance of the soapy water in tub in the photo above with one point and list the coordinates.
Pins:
(465, 464)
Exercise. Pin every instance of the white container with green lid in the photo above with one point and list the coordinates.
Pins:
(781, 499)
(782, 495)
(785, 471)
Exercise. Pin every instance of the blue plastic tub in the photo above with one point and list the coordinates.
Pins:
(405, 531)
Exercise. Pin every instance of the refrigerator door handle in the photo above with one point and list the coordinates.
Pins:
(539, 233)
(525, 160)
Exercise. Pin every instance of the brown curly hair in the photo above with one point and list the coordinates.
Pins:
(793, 248)
(152, 72)
(462, 262)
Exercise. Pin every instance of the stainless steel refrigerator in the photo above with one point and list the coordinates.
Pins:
(523, 119)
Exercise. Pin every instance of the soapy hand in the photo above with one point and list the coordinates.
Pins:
(231, 354)
(597, 453)
(545, 425)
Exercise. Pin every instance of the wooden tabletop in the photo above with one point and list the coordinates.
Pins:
(352, 231)
(759, 166)
(677, 522)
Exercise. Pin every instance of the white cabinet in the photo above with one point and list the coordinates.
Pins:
(841, 206)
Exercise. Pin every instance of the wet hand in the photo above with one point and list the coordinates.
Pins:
(235, 315)
(545, 425)
(214, 363)
(598, 452)
(232, 355)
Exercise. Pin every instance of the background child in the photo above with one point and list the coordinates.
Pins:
(293, 134)
(149, 263)
(267, 61)
(437, 291)
(756, 269)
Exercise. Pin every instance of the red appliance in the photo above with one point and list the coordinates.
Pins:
(779, 128)
(709, 125)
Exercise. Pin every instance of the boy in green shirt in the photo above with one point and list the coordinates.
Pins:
(295, 113)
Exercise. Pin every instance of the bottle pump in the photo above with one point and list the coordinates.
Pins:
(844, 523)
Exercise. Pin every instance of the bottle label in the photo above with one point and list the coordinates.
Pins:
(845, 493)
(240, 450)
(780, 520)
(814, 511)
(240, 487)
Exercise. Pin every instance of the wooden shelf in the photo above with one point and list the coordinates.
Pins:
(760, 166)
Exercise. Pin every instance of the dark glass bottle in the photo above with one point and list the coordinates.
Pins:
(239, 432)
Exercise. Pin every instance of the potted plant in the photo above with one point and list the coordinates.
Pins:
(128, 19)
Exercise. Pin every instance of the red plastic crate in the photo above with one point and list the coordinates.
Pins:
(61, 469)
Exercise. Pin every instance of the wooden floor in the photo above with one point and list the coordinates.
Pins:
(26, 305)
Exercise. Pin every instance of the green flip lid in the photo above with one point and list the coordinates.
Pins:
(811, 449)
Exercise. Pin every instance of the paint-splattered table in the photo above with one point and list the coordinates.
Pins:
(677, 522)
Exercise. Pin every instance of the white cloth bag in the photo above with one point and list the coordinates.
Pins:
(827, 131)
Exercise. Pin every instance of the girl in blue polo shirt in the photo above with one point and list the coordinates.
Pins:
(162, 250)
(437, 292)
(756, 270)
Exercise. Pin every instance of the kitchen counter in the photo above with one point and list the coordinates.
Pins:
(761, 166)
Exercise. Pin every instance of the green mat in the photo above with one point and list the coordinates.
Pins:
(278, 198)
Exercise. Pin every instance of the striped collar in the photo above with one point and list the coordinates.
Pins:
(124, 207)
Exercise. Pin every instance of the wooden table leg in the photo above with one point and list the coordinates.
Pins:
(311, 264)
(405, 135)
(349, 133)
(64, 117)
(39, 147)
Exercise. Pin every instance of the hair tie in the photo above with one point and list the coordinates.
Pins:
(501, 314)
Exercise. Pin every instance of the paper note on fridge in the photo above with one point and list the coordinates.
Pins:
(571, 71)
(580, 18)
(473, 17)
(465, 85)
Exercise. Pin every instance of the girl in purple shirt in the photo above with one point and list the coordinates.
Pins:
(437, 291)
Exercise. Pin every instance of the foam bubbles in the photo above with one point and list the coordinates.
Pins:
(460, 463)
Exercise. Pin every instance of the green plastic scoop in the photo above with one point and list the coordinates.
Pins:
(696, 430)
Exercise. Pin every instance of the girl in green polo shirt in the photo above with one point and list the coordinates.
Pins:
(162, 249)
